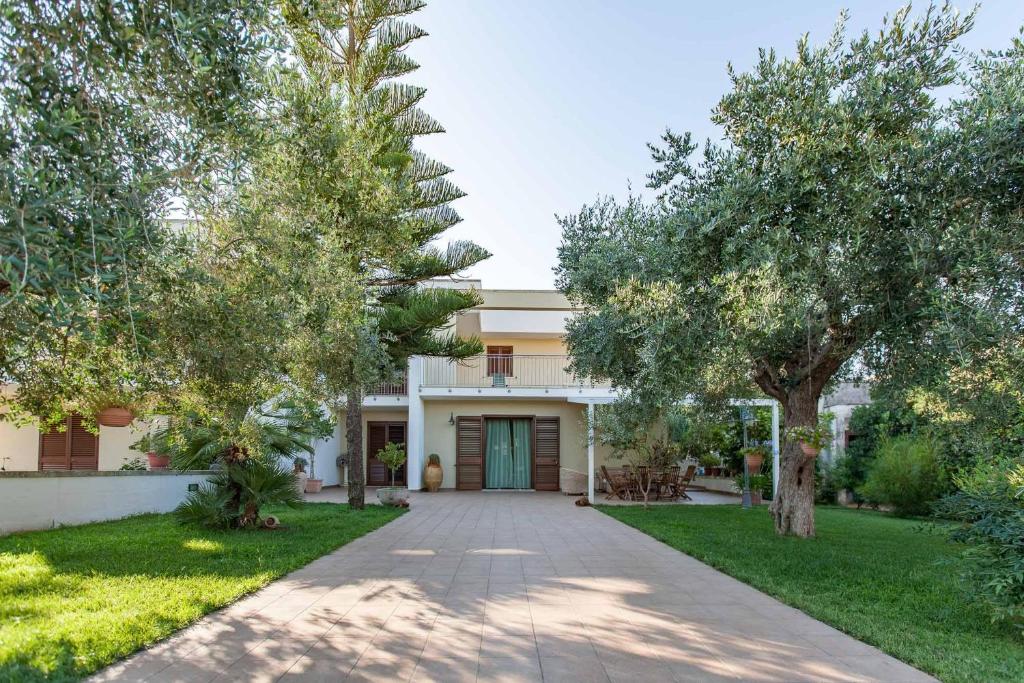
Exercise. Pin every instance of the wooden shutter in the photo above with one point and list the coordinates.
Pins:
(469, 453)
(84, 446)
(75, 448)
(376, 439)
(53, 450)
(546, 453)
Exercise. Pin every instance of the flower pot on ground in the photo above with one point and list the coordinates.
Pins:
(299, 470)
(393, 457)
(314, 485)
(393, 495)
(433, 474)
(115, 416)
(157, 461)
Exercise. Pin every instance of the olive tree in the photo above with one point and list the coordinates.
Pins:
(839, 212)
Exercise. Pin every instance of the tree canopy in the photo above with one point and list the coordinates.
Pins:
(840, 215)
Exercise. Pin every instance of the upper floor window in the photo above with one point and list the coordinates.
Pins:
(499, 360)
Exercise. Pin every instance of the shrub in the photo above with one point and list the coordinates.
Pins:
(871, 425)
(393, 457)
(906, 476)
(826, 487)
(234, 495)
(990, 503)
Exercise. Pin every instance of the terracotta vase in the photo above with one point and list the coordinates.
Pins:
(433, 476)
(809, 450)
(158, 462)
(754, 462)
(314, 485)
(116, 416)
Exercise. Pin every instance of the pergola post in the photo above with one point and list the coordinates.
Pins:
(775, 448)
(590, 452)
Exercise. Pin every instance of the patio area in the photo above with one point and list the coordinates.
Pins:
(514, 587)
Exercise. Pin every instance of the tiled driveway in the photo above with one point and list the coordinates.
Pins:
(509, 587)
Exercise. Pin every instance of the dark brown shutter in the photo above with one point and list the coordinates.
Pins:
(75, 448)
(396, 434)
(85, 446)
(376, 439)
(469, 453)
(53, 450)
(546, 459)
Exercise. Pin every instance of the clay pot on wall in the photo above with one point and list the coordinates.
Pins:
(433, 474)
(158, 462)
(115, 416)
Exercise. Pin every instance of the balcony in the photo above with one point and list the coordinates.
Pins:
(503, 371)
(400, 388)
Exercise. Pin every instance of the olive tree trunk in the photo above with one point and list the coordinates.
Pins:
(793, 505)
(354, 444)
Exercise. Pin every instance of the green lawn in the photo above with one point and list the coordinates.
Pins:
(73, 600)
(886, 581)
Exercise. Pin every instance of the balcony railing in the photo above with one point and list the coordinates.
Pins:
(501, 371)
(400, 388)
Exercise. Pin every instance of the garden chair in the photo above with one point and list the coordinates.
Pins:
(667, 485)
(617, 485)
(683, 482)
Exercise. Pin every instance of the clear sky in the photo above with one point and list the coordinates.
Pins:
(548, 103)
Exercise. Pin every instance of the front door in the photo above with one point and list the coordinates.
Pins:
(379, 434)
(508, 457)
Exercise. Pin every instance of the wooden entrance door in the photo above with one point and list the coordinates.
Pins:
(379, 434)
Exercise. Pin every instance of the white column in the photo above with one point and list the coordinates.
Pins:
(775, 448)
(590, 452)
(415, 432)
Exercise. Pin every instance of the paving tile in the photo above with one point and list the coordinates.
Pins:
(483, 586)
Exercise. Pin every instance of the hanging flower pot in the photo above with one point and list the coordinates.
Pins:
(754, 458)
(809, 450)
(115, 416)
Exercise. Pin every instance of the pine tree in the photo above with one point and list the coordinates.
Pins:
(359, 45)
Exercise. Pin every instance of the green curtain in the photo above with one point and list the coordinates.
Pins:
(521, 454)
(508, 454)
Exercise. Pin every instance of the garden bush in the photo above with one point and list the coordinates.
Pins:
(990, 503)
(870, 425)
(906, 475)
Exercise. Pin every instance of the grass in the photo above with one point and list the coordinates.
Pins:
(75, 599)
(886, 581)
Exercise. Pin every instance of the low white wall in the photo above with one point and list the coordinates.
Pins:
(41, 500)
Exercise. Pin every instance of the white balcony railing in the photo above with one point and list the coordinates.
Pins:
(525, 371)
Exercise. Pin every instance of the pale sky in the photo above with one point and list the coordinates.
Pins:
(548, 104)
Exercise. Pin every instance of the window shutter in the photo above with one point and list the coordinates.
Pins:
(469, 453)
(75, 448)
(546, 453)
(376, 439)
(53, 450)
(85, 446)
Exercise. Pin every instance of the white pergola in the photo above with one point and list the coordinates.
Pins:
(591, 402)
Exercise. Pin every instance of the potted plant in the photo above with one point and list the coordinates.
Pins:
(754, 456)
(149, 445)
(393, 457)
(759, 484)
(711, 463)
(313, 485)
(812, 439)
(299, 470)
(433, 475)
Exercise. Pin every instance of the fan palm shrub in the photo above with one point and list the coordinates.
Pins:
(248, 461)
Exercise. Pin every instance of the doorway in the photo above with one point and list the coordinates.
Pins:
(379, 434)
(508, 460)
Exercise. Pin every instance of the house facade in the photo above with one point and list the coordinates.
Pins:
(514, 417)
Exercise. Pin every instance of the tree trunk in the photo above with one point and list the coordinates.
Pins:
(793, 506)
(354, 444)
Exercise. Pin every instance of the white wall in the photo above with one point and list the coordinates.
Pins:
(41, 500)
(327, 452)
(19, 446)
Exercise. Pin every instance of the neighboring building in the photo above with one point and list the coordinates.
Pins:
(841, 402)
